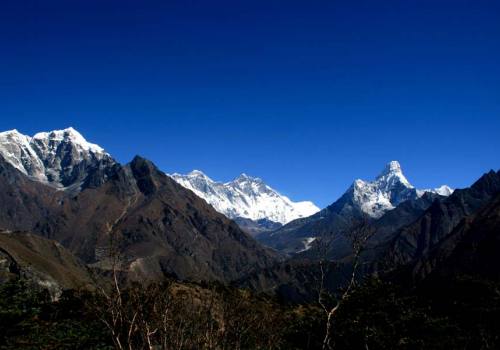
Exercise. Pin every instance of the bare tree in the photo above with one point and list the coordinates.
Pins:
(170, 315)
(108, 301)
(358, 234)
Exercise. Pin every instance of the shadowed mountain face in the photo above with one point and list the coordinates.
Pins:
(364, 200)
(255, 228)
(470, 249)
(329, 222)
(420, 240)
(98, 210)
(416, 241)
(333, 222)
(157, 226)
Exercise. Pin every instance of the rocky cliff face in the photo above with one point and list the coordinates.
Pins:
(156, 226)
(417, 241)
(60, 158)
(422, 242)
(363, 200)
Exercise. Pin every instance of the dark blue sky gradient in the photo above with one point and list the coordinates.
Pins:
(307, 95)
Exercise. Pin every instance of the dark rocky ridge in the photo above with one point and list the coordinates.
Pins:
(472, 248)
(333, 222)
(363, 200)
(328, 222)
(160, 227)
(420, 240)
(415, 241)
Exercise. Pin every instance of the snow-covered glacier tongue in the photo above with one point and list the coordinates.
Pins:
(246, 197)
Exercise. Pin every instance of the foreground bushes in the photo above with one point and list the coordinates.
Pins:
(455, 314)
(30, 320)
(185, 316)
(158, 316)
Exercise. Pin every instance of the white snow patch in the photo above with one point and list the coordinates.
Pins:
(443, 190)
(69, 135)
(307, 244)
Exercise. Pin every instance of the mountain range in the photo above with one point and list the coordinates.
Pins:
(101, 211)
(67, 209)
(429, 241)
(370, 200)
(247, 200)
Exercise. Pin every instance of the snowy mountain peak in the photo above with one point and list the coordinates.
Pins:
(246, 197)
(12, 132)
(68, 135)
(58, 157)
(13, 136)
(387, 191)
(244, 178)
(443, 190)
(392, 167)
(197, 173)
(392, 174)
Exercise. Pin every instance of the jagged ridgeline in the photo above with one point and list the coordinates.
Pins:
(367, 200)
(254, 205)
(59, 186)
(71, 217)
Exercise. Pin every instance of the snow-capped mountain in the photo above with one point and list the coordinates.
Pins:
(443, 190)
(61, 158)
(245, 197)
(374, 199)
(387, 191)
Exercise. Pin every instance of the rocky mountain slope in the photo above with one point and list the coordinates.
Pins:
(60, 158)
(421, 242)
(387, 191)
(156, 227)
(44, 262)
(246, 198)
(136, 212)
(440, 224)
(470, 249)
(368, 200)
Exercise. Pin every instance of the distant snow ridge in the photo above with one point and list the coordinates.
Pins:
(245, 197)
(442, 190)
(387, 191)
(50, 157)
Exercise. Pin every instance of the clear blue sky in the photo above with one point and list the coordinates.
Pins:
(307, 95)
